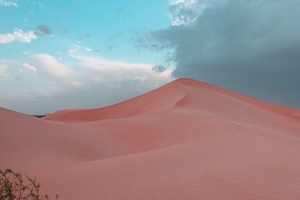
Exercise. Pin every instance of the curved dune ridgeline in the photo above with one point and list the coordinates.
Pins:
(185, 140)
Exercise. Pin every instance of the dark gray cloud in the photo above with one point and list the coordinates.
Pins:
(43, 30)
(159, 68)
(66, 30)
(110, 48)
(144, 40)
(252, 47)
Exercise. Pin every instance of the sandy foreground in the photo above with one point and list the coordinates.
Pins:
(185, 140)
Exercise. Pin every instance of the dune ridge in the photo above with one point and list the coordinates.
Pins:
(158, 98)
(185, 140)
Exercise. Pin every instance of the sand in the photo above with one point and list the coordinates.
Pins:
(185, 140)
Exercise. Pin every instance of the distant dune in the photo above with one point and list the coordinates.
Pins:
(185, 140)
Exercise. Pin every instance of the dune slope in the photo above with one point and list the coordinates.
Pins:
(185, 140)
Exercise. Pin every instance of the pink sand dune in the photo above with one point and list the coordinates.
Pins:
(185, 140)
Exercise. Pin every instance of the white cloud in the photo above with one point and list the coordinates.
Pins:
(27, 66)
(17, 35)
(8, 3)
(38, 3)
(4, 75)
(40, 92)
(88, 49)
(8, 69)
(141, 78)
(118, 74)
(72, 51)
(56, 73)
(186, 12)
(50, 67)
(94, 77)
(75, 48)
(27, 52)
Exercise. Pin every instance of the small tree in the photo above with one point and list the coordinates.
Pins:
(12, 187)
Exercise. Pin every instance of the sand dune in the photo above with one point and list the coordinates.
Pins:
(185, 140)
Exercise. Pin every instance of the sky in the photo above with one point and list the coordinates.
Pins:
(87, 54)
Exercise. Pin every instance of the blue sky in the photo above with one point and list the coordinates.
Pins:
(61, 34)
(96, 25)
(86, 54)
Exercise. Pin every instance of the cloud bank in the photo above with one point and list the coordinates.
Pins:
(50, 66)
(93, 82)
(251, 47)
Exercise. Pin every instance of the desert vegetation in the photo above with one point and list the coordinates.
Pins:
(13, 187)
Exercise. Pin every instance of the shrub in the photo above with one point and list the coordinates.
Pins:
(12, 187)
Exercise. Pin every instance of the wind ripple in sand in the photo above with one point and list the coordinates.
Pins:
(185, 140)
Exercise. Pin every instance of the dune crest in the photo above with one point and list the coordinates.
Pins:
(169, 95)
(185, 140)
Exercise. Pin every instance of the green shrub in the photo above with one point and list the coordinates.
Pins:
(12, 187)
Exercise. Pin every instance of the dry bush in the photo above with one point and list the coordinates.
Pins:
(12, 187)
